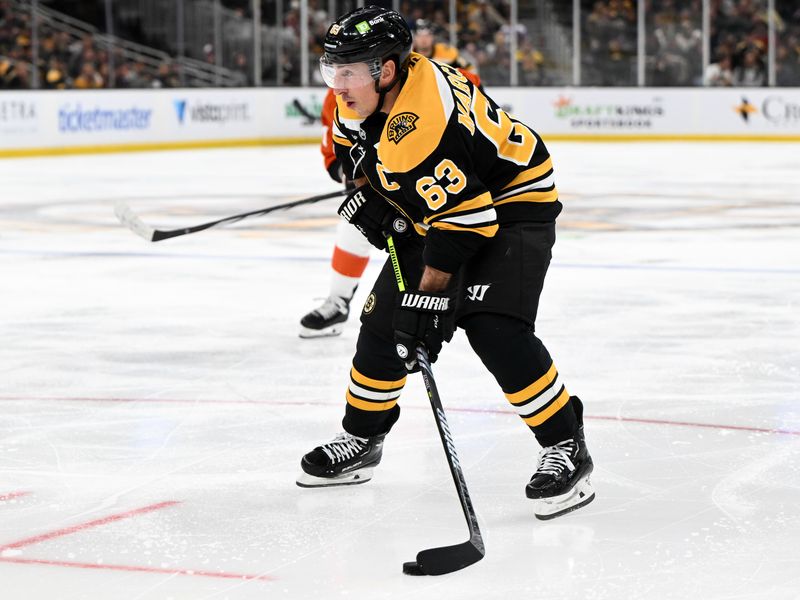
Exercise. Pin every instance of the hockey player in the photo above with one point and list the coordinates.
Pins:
(351, 249)
(425, 44)
(350, 252)
(467, 192)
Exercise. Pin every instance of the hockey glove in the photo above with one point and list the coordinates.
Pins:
(374, 217)
(424, 318)
(335, 171)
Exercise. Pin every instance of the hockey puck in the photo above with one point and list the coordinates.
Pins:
(412, 568)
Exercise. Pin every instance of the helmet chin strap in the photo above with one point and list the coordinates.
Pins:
(383, 91)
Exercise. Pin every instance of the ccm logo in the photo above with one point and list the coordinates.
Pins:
(352, 205)
(420, 302)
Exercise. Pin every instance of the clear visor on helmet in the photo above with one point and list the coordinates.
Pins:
(352, 75)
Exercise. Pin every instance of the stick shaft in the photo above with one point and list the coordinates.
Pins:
(475, 537)
(156, 235)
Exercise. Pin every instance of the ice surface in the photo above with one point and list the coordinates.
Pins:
(155, 398)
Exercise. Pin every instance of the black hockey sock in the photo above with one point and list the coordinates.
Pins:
(522, 366)
(376, 381)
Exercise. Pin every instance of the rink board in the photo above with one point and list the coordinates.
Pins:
(69, 122)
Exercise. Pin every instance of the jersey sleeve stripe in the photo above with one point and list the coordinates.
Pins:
(548, 183)
(445, 94)
(546, 196)
(486, 231)
(479, 202)
(530, 174)
(474, 218)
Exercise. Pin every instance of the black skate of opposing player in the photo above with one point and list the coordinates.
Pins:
(327, 320)
(346, 460)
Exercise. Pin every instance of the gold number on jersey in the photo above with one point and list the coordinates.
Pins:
(513, 140)
(387, 185)
(432, 191)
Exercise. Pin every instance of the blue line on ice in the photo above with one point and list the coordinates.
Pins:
(240, 257)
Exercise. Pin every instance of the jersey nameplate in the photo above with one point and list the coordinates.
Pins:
(400, 126)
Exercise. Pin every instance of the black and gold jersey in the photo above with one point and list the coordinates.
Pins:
(452, 160)
(449, 55)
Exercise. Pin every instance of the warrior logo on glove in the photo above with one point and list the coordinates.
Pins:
(425, 302)
(422, 319)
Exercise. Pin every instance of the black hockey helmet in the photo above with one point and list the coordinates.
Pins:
(371, 35)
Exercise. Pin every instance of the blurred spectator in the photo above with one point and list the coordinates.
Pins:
(720, 73)
(531, 63)
(166, 77)
(788, 65)
(609, 43)
(425, 43)
(55, 77)
(88, 79)
(751, 73)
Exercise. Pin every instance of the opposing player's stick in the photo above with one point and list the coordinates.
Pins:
(311, 119)
(132, 221)
(438, 561)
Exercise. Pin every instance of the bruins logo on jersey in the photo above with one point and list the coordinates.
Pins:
(401, 125)
(369, 305)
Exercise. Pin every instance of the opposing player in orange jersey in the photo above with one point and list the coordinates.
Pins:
(350, 252)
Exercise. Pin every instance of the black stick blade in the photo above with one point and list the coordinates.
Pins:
(412, 568)
(439, 561)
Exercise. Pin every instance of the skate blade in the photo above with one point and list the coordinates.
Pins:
(331, 331)
(550, 508)
(309, 481)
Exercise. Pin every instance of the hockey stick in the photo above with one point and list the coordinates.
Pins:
(438, 561)
(311, 119)
(132, 221)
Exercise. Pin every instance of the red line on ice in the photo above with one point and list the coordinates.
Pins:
(79, 565)
(12, 495)
(449, 409)
(83, 526)
(105, 520)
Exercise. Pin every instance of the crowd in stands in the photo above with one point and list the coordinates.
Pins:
(739, 42)
(608, 35)
(65, 62)
(673, 45)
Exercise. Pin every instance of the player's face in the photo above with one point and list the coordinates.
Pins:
(423, 42)
(355, 83)
(363, 100)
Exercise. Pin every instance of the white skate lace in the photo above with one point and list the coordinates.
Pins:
(333, 305)
(554, 459)
(343, 446)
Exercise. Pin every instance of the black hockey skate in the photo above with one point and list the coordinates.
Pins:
(347, 460)
(326, 320)
(561, 481)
